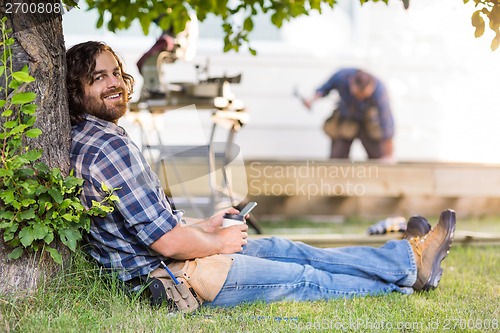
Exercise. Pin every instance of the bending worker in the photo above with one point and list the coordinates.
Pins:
(362, 112)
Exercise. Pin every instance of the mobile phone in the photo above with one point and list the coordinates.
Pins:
(248, 208)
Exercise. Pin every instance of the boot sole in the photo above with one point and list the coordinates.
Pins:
(449, 217)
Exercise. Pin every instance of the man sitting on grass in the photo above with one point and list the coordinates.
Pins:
(143, 232)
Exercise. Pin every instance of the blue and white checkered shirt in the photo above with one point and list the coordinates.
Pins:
(102, 152)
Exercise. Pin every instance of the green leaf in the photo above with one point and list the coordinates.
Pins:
(248, 24)
(70, 237)
(40, 231)
(277, 19)
(27, 202)
(165, 22)
(16, 253)
(65, 204)
(23, 77)
(42, 167)
(29, 121)
(10, 124)
(104, 187)
(8, 236)
(71, 182)
(7, 196)
(56, 256)
(56, 195)
(14, 84)
(77, 205)
(29, 109)
(48, 205)
(33, 155)
(107, 209)
(26, 236)
(100, 22)
(49, 237)
(71, 3)
(28, 214)
(41, 189)
(6, 215)
(2, 103)
(18, 129)
(145, 23)
(56, 174)
(6, 173)
(23, 98)
(16, 204)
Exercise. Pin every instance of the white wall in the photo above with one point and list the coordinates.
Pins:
(441, 79)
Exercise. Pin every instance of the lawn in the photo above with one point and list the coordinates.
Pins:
(82, 299)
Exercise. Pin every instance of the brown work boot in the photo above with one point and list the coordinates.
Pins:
(431, 249)
(417, 226)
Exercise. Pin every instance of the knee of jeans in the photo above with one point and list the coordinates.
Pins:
(278, 241)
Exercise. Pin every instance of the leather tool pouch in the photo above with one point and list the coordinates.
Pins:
(205, 275)
(177, 297)
(340, 128)
(200, 280)
(372, 124)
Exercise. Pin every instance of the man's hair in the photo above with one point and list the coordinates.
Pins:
(362, 79)
(80, 61)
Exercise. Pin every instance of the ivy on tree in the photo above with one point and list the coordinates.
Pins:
(37, 204)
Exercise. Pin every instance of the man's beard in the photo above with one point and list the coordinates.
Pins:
(98, 108)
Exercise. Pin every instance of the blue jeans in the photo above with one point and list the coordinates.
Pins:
(274, 269)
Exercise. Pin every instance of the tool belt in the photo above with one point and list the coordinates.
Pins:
(337, 127)
(198, 280)
(340, 128)
(177, 297)
(372, 124)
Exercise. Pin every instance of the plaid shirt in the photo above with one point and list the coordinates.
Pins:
(352, 108)
(102, 152)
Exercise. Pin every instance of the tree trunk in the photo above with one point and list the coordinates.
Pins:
(39, 42)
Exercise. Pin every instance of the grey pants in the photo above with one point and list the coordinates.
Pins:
(340, 148)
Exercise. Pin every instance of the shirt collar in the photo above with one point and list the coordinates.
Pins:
(105, 125)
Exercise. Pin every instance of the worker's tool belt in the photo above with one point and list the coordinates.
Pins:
(337, 127)
(340, 128)
(199, 280)
(177, 297)
(372, 124)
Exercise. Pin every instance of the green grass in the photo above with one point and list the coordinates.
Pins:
(82, 299)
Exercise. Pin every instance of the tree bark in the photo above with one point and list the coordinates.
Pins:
(39, 42)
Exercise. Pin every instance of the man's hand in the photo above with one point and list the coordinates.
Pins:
(233, 238)
(215, 221)
(387, 150)
(307, 103)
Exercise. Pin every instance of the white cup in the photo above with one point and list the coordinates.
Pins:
(232, 219)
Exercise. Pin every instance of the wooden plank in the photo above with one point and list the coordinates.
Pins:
(467, 181)
(304, 188)
(341, 178)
